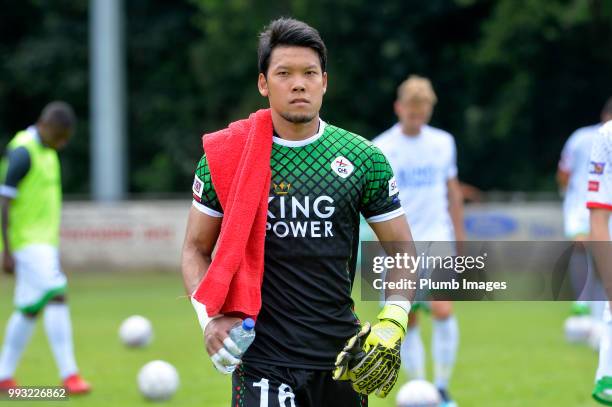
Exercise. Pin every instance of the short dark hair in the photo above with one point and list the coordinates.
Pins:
(58, 114)
(289, 32)
(607, 109)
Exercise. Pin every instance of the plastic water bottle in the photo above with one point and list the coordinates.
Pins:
(243, 335)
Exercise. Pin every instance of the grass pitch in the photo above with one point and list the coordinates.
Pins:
(511, 354)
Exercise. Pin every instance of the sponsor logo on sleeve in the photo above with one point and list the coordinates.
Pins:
(342, 166)
(198, 187)
(596, 168)
(393, 189)
(593, 186)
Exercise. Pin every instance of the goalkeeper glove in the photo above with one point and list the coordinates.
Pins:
(371, 359)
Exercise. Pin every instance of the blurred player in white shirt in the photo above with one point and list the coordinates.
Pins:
(599, 201)
(572, 176)
(423, 159)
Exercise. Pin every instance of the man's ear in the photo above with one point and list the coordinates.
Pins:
(324, 82)
(397, 107)
(262, 84)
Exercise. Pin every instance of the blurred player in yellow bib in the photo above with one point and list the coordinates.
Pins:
(31, 201)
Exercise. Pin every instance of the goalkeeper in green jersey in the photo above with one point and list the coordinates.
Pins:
(310, 348)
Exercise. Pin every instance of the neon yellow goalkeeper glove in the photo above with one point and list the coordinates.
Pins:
(371, 359)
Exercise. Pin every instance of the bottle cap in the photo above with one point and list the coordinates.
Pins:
(248, 324)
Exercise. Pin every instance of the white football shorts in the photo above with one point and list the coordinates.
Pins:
(38, 277)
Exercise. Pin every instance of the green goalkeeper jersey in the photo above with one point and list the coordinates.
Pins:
(319, 188)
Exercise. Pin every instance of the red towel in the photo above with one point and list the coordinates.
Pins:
(239, 162)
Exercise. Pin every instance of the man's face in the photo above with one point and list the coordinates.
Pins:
(55, 137)
(294, 83)
(413, 115)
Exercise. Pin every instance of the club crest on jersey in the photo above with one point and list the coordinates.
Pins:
(594, 186)
(342, 167)
(393, 189)
(282, 188)
(198, 187)
(596, 168)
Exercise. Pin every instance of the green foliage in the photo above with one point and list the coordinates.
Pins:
(43, 57)
(514, 77)
(547, 63)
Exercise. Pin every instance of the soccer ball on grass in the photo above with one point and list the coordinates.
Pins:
(418, 393)
(158, 380)
(136, 331)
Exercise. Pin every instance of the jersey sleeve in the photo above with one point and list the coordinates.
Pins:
(380, 199)
(599, 186)
(17, 168)
(566, 163)
(204, 196)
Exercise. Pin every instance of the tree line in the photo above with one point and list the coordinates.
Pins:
(514, 77)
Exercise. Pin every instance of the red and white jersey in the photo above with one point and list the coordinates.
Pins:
(599, 187)
(575, 160)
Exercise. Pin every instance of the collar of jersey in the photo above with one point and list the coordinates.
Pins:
(34, 132)
(412, 137)
(301, 143)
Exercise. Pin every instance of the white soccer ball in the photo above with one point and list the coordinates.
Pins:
(136, 331)
(578, 328)
(418, 393)
(158, 380)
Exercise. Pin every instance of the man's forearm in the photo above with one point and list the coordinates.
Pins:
(395, 238)
(395, 274)
(600, 232)
(455, 209)
(194, 265)
(456, 213)
(600, 248)
(5, 225)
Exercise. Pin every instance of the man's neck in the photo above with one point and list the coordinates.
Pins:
(294, 131)
(411, 131)
(39, 137)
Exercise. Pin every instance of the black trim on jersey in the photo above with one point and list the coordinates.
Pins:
(19, 164)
